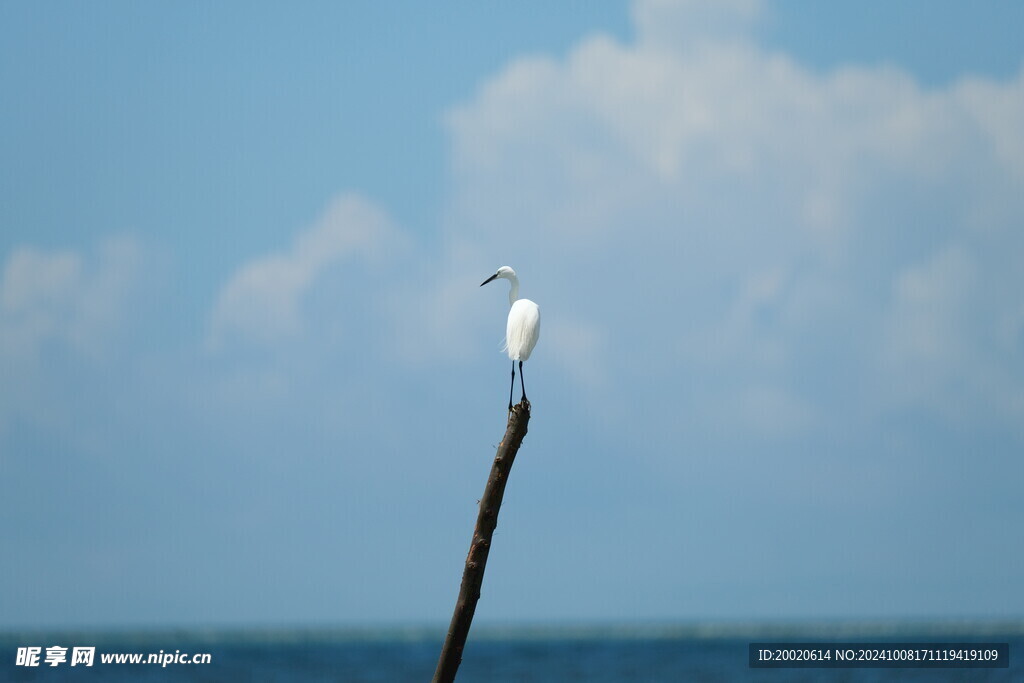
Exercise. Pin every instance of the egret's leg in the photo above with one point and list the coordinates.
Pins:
(521, 382)
(512, 386)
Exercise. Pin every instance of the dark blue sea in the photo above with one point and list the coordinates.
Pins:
(549, 654)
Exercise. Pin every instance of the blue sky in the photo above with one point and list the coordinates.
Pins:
(249, 376)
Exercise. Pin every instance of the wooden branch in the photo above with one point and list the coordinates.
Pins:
(476, 561)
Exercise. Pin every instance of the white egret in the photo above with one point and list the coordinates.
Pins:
(522, 330)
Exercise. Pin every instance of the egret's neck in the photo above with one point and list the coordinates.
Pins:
(513, 292)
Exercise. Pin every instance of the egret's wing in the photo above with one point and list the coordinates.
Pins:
(523, 329)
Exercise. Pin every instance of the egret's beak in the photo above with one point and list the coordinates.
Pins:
(493, 277)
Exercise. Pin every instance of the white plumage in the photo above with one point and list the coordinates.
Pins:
(522, 330)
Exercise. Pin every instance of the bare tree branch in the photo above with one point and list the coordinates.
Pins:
(476, 561)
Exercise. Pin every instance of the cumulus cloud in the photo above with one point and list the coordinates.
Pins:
(61, 305)
(717, 211)
(675, 24)
(67, 296)
(262, 301)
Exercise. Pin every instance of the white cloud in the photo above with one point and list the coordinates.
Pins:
(928, 304)
(65, 296)
(262, 301)
(945, 340)
(713, 210)
(677, 24)
(60, 304)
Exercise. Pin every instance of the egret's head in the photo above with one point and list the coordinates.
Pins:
(503, 272)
